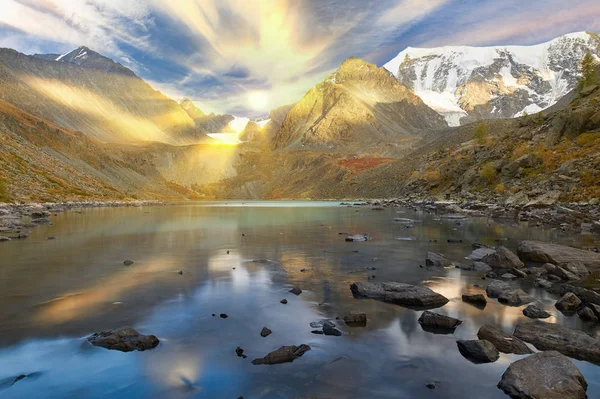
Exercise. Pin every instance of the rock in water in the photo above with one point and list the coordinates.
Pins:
(284, 354)
(568, 303)
(496, 288)
(475, 299)
(504, 342)
(434, 259)
(547, 375)
(503, 258)
(330, 329)
(296, 291)
(516, 297)
(265, 332)
(437, 323)
(399, 293)
(356, 320)
(357, 238)
(572, 343)
(124, 339)
(544, 252)
(478, 351)
(128, 262)
(533, 312)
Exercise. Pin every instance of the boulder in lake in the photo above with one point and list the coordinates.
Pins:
(481, 267)
(265, 332)
(568, 303)
(503, 258)
(515, 297)
(548, 336)
(544, 252)
(475, 299)
(586, 313)
(438, 260)
(400, 294)
(478, 351)
(504, 342)
(438, 323)
(330, 329)
(547, 375)
(124, 339)
(356, 319)
(296, 291)
(534, 312)
(584, 294)
(480, 253)
(284, 354)
(496, 287)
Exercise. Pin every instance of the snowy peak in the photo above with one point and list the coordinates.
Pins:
(466, 83)
(87, 58)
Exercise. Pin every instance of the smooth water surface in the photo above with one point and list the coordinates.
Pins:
(54, 293)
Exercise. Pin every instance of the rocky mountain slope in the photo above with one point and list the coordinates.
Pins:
(207, 123)
(466, 84)
(90, 93)
(359, 108)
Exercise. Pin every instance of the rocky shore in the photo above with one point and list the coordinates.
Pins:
(17, 220)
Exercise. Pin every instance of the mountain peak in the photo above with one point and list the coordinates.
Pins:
(88, 58)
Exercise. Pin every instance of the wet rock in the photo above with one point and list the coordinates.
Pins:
(509, 276)
(568, 303)
(496, 288)
(356, 320)
(547, 375)
(430, 385)
(438, 323)
(284, 301)
(357, 238)
(284, 354)
(3, 239)
(540, 282)
(534, 312)
(572, 343)
(128, 262)
(504, 342)
(124, 339)
(503, 258)
(543, 252)
(559, 272)
(399, 293)
(586, 313)
(296, 291)
(478, 351)
(515, 297)
(584, 294)
(240, 352)
(223, 315)
(481, 267)
(265, 332)
(454, 241)
(475, 299)
(577, 268)
(330, 329)
(438, 260)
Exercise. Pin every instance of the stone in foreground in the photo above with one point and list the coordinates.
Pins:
(547, 375)
(285, 354)
(438, 323)
(504, 342)
(503, 258)
(124, 339)
(496, 288)
(545, 252)
(533, 312)
(400, 294)
(478, 351)
(516, 297)
(568, 303)
(572, 343)
(475, 299)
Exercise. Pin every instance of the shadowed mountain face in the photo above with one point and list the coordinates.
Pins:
(355, 108)
(88, 92)
(211, 123)
(467, 84)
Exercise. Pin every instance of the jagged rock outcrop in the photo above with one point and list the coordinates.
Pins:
(207, 123)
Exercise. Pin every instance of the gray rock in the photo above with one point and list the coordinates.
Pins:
(284, 354)
(356, 320)
(533, 312)
(330, 329)
(480, 253)
(475, 299)
(357, 238)
(584, 294)
(438, 260)
(541, 282)
(2, 239)
(124, 339)
(544, 375)
(515, 297)
(438, 323)
(503, 258)
(481, 267)
(559, 272)
(543, 252)
(399, 293)
(586, 313)
(504, 342)
(478, 351)
(568, 303)
(265, 332)
(509, 276)
(572, 343)
(496, 288)
(296, 291)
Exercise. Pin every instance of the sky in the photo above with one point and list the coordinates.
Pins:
(246, 57)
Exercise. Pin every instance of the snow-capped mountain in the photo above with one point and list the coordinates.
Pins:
(84, 57)
(465, 83)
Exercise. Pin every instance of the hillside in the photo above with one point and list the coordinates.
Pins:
(359, 108)
(207, 123)
(466, 84)
(94, 95)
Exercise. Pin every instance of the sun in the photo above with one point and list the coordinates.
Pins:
(258, 100)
